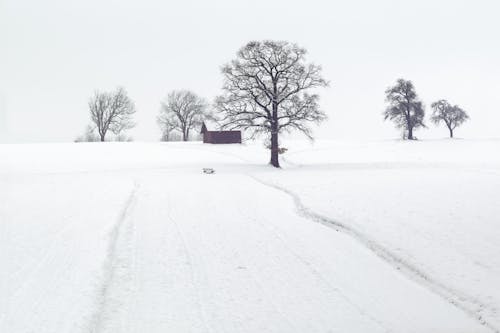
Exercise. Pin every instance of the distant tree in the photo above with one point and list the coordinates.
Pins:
(172, 136)
(405, 108)
(111, 111)
(88, 136)
(167, 121)
(121, 137)
(452, 115)
(166, 135)
(265, 92)
(182, 111)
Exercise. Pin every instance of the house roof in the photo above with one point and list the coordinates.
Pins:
(212, 126)
(203, 128)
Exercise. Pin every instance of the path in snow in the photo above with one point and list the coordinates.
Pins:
(464, 302)
(432, 205)
(116, 267)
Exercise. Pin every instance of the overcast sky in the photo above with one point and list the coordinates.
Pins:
(55, 53)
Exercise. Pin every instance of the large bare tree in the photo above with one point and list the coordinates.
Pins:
(111, 111)
(452, 115)
(405, 108)
(266, 91)
(182, 110)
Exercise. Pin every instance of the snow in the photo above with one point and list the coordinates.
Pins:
(433, 204)
(380, 236)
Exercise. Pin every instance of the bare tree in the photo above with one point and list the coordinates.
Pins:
(111, 111)
(122, 137)
(405, 108)
(265, 91)
(171, 136)
(181, 110)
(167, 125)
(88, 136)
(452, 115)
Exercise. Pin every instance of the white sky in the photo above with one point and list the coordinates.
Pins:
(55, 53)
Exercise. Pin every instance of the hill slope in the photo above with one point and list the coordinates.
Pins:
(134, 237)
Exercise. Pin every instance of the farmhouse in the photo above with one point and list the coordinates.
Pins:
(219, 137)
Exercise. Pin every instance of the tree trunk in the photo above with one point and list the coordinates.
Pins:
(102, 137)
(184, 136)
(410, 133)
(274, 149)
(451, 132)
(274, 139)
(275, 162)
(409, 123)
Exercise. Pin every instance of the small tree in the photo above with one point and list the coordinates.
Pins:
(166, 123)
(173, 136)
(111, 111)
(452, 115)
(405, 108)
(266, 91)
(182, 111)
(122, 137)
(88, 136)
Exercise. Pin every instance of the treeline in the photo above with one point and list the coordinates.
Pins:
(268, 89)
(111, 112)
(407, 111)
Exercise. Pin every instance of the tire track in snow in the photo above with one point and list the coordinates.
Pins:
(113, 266)
(194, 275)
(467, 304)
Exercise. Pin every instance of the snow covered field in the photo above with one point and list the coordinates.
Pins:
(381, 236)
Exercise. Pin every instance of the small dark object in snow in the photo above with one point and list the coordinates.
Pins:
(208, 170)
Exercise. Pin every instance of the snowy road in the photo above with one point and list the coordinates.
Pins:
(161, 247)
